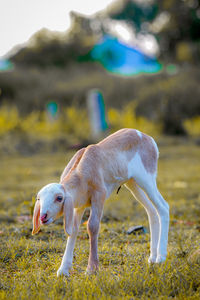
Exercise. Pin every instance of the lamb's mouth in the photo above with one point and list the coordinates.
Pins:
(46, 222)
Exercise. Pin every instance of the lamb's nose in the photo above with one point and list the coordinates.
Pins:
(43, 217)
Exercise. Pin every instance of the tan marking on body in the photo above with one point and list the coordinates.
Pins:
(148, 153)
(125, 140)
(91, 165)
(101, 161)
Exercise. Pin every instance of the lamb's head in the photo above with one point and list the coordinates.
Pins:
(52, 201)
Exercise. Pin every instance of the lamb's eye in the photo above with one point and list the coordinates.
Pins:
(59, 198)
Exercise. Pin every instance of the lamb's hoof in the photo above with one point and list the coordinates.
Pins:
(91, 271)
(160, 259)
(63, 272)
(152, 260)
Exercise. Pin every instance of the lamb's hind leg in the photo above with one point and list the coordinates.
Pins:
(154, 224)
(162, 208)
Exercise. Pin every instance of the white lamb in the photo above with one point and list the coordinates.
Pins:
(126, 157)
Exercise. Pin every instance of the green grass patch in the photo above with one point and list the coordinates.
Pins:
(28, 264)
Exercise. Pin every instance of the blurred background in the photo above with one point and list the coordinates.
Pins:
(72, 72)
(122, 63)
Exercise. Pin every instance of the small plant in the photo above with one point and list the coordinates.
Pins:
(71, 121)
(193, 126)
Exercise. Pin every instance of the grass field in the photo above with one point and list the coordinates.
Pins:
(29, 263)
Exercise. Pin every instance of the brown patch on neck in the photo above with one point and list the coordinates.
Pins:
(72, 180)
(148, 154)
(71, 175)
(76, 163)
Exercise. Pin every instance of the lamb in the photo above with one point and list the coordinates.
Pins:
(127, 157)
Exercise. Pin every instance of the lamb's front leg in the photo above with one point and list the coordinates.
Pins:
(68, 255)
(93, 230)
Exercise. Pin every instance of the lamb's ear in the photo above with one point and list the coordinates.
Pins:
(36, 216)
(68, 212)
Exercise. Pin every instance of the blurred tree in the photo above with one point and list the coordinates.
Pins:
(47, 48)
(182, 29)
(175, 23)
(135, 12)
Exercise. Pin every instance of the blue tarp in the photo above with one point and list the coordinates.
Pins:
(5, 65)
(119, 58)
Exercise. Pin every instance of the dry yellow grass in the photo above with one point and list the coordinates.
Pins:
(28, 264)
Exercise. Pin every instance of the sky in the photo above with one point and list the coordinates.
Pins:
(20, 19)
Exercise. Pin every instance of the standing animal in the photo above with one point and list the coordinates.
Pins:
(126, 157)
